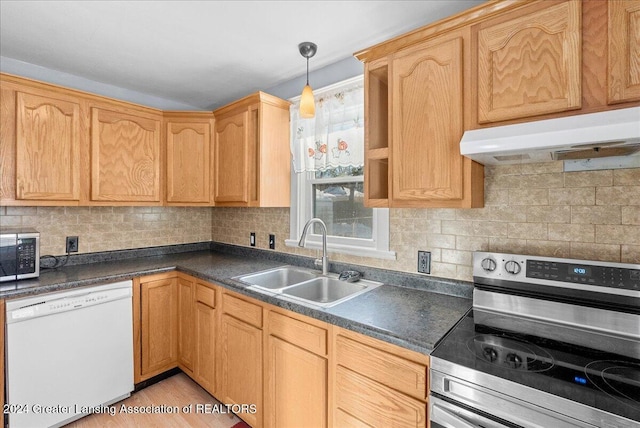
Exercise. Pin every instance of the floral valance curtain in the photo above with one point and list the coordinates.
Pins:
(335, 136)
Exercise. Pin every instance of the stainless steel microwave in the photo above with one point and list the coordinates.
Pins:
(19, 254)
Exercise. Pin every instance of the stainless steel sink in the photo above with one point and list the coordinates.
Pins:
(306, 286)
(278, 278)
(326, 291)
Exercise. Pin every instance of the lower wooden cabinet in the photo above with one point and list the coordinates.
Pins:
(186, 324)
(240, 356)
(296, 371)
(377, 384)
(159, 325)
(205, 337)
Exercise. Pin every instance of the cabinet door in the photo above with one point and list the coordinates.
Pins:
(205, 346)
(188, 162)
(186, 324)
(159, 326)
(231, 158)
(529, 64)
(48, 148)
(427, 124)
(241, 366)
(296, 394)
(624, 50)
(125, 157)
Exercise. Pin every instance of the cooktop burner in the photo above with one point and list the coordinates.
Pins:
(616, 379)
(510, 352)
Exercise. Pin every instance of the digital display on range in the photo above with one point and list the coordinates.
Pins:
(579, 270)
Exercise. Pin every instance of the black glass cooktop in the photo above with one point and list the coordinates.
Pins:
(597, 370)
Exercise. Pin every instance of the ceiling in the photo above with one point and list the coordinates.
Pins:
(202, 53)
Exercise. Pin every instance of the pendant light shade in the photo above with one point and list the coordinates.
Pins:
(307, 102)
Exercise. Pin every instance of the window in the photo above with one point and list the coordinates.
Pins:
(327, 179)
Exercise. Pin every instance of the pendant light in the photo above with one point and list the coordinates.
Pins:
(307, 103)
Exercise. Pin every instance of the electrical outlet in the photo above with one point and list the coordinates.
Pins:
(72, 244)
(424, 261)
(252, 239)
(272, 241)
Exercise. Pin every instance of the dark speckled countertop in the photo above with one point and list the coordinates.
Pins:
(413, 311)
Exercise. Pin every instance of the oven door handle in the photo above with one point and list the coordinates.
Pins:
(448, 419)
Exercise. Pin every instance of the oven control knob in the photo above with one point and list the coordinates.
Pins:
(488, 264)
(513, 360)
(512, 267)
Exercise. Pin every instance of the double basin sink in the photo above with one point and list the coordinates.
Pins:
(306, 286)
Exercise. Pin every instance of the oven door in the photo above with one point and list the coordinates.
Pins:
(447, 415)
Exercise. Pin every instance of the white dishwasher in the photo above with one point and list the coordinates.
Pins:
(68, 353)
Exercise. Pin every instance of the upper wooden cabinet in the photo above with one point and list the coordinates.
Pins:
(125, 156)
(415, 118)
(42, 132)
(529, 62)
(624, 50)
(427, 123)
(252, 154)
(47, 148)
(189, 158)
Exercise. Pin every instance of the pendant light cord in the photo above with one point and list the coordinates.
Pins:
(307, 70)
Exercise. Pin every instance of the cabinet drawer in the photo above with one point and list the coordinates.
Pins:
(374, 404)
(300, 333)
(396, 372)
(206, 295)
(241, 309)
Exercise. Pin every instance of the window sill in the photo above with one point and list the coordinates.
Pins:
(346, 249)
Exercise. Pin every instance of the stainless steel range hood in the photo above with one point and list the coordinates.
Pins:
(586, 136)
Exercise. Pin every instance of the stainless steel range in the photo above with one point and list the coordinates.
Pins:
(549, 342)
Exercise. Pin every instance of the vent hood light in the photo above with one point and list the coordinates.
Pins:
(585, 136)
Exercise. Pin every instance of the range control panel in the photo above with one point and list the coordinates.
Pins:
(583, 273)
(548, 270)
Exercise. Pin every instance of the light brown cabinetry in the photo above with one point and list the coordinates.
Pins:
(159, 324)
(42, 132)
(427, 165)
(205, 336)
(296, 370)
(186, 324)
(125, 156)
(251, 153)
(47, 148)
(529, 62)
(624, 50)
(240, 355)
(377, 384)
(189, 158)
(415, 119)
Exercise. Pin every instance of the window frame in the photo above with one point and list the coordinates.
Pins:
(301, 210)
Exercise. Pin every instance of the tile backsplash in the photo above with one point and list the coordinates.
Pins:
(111, 228)
(533, 209)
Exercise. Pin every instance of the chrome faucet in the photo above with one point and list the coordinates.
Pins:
(325, 259)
